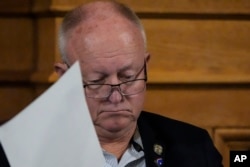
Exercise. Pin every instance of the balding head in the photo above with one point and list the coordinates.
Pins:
(108, 41)
(91, 16)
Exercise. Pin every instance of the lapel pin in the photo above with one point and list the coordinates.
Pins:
(159, 162)
(158, 149)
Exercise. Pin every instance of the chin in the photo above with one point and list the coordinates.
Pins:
(117, 124)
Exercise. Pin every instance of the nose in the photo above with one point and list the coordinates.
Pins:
(115, 95)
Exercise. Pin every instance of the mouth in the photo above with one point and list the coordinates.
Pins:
(116, 112)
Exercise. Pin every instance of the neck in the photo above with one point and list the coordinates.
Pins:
(116, 143)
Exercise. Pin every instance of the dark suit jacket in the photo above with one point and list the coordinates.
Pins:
(181, 144)
(174, 143)
(3, 159)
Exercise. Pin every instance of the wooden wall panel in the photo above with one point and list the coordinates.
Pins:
(42, 6)
(198, 50)
(47, 48)
(17, 6)
(152, 6)
(199, 70)
(187, 6)
(14, 99)
(204, 106)
(17, 46)
(227, 139)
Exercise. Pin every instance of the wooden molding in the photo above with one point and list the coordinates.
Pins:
(19, 6)
(185, 77)
(227, 139)
(152, 6)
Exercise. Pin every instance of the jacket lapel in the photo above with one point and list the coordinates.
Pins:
(154, 149)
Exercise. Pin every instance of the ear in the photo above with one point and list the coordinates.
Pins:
(60, 68)
(147, 57)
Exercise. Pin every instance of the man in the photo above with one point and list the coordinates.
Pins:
(108, 40)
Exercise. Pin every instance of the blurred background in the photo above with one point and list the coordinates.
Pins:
(199, 70)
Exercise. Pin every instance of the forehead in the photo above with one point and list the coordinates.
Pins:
(108, 38)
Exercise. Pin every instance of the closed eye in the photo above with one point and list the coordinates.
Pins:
(100, 80)
(127, 77)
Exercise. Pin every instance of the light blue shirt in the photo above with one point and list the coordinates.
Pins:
(130, 158)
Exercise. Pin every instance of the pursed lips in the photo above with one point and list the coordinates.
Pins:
(115, 111)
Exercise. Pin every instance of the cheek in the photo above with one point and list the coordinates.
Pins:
(137, 103)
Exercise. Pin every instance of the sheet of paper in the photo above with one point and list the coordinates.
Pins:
(55, 130)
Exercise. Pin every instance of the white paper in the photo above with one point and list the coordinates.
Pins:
(55, 130)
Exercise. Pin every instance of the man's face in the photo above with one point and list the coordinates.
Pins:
(110, 54)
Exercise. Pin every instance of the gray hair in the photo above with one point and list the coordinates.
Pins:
(79, 14)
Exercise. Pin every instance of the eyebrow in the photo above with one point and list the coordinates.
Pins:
(125, 68)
